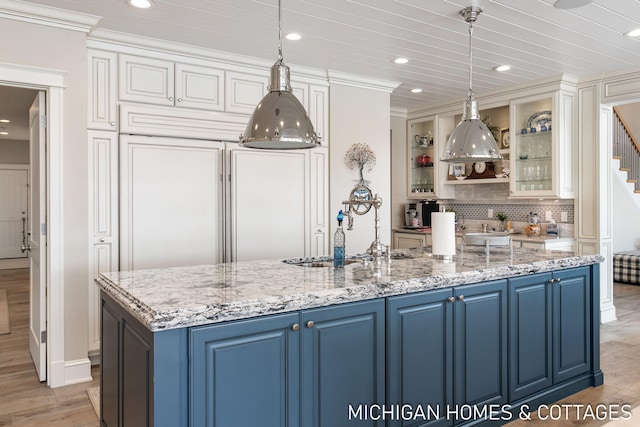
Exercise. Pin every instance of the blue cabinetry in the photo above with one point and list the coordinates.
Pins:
(246, 373)
(499, 344)
(343, 363)
(447, 349)
(143, 375)
(552, 324)
(298, 369)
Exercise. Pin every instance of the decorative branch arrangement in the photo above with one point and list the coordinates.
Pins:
(359, 156)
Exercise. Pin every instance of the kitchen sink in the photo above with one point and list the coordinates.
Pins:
(320, 263)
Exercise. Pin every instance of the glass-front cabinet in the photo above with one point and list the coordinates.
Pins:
(541, 146)
(421, 158)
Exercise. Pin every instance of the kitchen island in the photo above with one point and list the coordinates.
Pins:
(275, 343)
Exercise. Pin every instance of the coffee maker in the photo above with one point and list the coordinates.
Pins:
(420, 211)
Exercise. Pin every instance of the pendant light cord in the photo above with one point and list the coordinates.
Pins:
(280, 30)
(470, 59)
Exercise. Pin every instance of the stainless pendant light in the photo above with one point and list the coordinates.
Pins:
(279, 121)
(471, 140)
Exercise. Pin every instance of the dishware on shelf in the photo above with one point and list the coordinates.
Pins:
(424, 160)
(424, 140)
(540, 118)
(461, 177)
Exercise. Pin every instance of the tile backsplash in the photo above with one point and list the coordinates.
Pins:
(515, 211)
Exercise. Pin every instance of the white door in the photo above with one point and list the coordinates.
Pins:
(38, 237)
(170, 202)
(269, 204)
(13, 211)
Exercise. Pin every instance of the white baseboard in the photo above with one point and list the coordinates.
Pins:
(608, 314)
(73, 372)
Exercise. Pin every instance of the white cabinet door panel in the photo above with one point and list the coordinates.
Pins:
(170, 202)
(103, 219)
(146, 80)
(269, 199)
(244, 92)
(319, 111)
(301, 91)
(102, 92)
(319, 170)
(199, 87)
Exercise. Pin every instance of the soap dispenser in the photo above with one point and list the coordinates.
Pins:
(338, 243)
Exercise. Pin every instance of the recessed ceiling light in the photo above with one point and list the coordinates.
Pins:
(141, 4)
(293, 36)
(401, 60)
(571, 4)
(416, 90)
(4, 133)
(5, 121)
(502, 68)
(633, 33)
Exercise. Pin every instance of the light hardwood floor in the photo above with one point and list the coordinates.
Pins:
(26, 402)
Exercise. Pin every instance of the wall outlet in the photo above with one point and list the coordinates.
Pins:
(490, 213)
(563, 217)
(548, 217)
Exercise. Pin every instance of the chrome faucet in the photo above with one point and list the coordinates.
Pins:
(360, 202)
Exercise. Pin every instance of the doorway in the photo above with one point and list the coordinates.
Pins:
(23, 206)
(52, 83)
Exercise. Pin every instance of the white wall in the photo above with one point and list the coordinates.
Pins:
(359, 115)
(14, 152)
(625, 231)
(398, 169)
(65, 50)
(631, 115)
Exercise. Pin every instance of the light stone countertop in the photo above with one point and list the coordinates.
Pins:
(181, 297)
(519, 236)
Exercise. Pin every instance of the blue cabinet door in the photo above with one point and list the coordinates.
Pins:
(530, 335)
(571, 323)
(343, 364)
(420, 356)
(246, 373)
(480, 345)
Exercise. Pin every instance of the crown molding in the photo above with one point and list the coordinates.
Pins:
(129, 43)
(399, 111)
(49, 16)
(501, 96)
(338, 77)
(137, 45)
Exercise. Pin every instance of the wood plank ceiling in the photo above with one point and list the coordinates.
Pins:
(363, 37)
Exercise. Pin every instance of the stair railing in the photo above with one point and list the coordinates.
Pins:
(627, 149)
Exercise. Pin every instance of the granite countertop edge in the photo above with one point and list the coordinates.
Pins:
(206, 314)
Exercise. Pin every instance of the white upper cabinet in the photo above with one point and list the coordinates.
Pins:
(426, 174)
(541, 146)
(199, 87)
(146, 80)
(319, 111)
(244, 91)
(102, 96)
(161, 82)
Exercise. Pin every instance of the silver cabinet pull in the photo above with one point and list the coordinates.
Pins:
(461, 297)
(310, 324)
(295, 327)
(102, 240)
(171, 98)
(451, 299)
(112, 123)
(179, 99)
